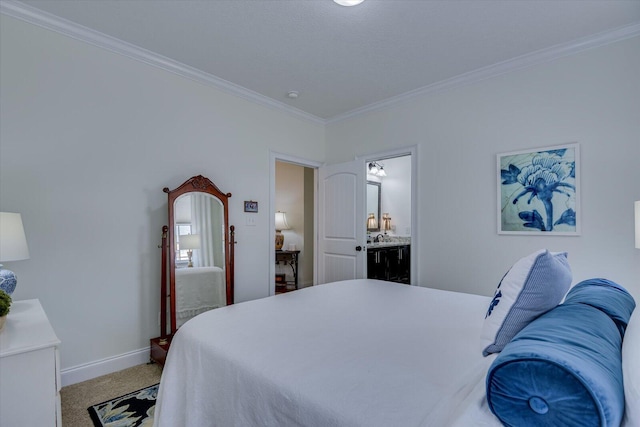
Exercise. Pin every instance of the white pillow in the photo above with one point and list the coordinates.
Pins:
(631, 370)
(534, 285)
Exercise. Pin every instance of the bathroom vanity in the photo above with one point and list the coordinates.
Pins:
(390, 261)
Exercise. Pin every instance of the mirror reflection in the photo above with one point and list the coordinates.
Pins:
(373, 205)
(197, 258)
(199, 255)
(198, 248)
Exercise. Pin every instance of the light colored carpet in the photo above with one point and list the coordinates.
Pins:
(76, 398)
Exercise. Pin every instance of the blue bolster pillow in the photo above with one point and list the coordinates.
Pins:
(606, 296)
(565, 367)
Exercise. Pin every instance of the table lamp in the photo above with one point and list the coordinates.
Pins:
(13, 247)
(386, 220)
(372, 223)
(189, 242)
(281, 224)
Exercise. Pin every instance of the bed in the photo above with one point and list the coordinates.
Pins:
(352, 353)
(198, 289)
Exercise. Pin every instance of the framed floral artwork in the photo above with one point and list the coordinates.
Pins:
(539, 191)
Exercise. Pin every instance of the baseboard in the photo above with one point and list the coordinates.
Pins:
(87, 371)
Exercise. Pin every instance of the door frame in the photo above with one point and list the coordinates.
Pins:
(379, 155)
(415, 224)
(286, 158)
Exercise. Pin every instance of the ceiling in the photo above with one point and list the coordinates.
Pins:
(344, 59)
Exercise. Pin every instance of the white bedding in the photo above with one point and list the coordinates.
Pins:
(198, 289)
(354, 353)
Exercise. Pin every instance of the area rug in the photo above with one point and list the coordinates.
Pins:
(131, 410)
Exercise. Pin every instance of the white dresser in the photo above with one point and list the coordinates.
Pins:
(29, 368)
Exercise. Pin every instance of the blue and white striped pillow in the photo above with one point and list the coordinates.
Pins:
(534, 285)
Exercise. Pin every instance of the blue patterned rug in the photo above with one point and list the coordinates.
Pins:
(131, 410)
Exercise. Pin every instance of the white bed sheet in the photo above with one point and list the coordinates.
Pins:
(198, 289)
(353, 353)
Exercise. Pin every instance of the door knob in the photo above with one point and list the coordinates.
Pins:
(358, 248)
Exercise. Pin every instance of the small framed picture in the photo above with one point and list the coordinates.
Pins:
(250, 206)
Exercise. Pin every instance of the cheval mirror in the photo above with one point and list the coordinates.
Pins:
(198, 246)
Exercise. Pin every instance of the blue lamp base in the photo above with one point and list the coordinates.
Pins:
(8, 281)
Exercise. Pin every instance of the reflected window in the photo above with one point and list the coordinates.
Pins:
(181, 255)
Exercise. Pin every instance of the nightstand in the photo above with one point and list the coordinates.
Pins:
(290, 258)
(29, 368)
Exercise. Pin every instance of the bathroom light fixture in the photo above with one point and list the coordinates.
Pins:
(348, 2)
(376, 169)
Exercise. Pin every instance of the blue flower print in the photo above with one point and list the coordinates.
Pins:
(546, 175)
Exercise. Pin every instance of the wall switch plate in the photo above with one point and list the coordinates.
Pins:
(251, 221)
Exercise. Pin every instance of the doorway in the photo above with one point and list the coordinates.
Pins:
(293, 207)
(342, 216)
(389, 218)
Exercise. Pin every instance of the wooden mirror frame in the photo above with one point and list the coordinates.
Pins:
(196, 184)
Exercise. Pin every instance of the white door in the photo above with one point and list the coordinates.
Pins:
(341, 225)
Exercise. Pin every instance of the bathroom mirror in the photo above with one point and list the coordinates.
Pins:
(200, 252)
(373, 203)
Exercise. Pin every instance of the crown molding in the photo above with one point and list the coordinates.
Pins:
(24, 12)
(494, 70)
(32, 15)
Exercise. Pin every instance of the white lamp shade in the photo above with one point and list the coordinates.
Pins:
(13, 243)
(386, 219)
(637, 204)
(189, 241)
(372, 223)
(281, 221)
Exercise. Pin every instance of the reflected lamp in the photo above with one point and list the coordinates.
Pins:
(13, 247)
(189, 242)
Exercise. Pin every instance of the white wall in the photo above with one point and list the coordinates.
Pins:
(592, 98)
(88, 140)
(396, 194)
